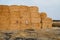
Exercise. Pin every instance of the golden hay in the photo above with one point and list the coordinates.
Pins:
(33, 9)
(36, 26)
(23, 8)
(14, 14)
(44, 25)
(33, 15)
(14, 8)
(4, 23)
(0, 8)
(5, 8)
(14, 26)
(49, 22)
(25, 26)
(43, 15)
(25, 14)
(35, 20)
(4, 14)
(23, 17)
(25, 20)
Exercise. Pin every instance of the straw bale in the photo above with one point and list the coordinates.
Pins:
(44, 25)
(23, 8)
(49, 25)
(4, 23)
(49, 22)
(36, 26)
(44, 20)
(3, 28)
(25, 26)
(25, 20)
(14, 8)
(14, 27)
(33, 9)
(6, 15)
(14, 14)
(14, 20)
(5, 8)
(49, 19)
(0, 8)
(43, 15)
(14, 23)
(35, 14)
(25, 14)
(40, 25)
(35, 20)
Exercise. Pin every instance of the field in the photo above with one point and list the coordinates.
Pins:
(46, 34)
(56, 23)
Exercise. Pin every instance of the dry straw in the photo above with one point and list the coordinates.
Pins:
(33, 15)
(43, 15)
(33, 9)
(13, 8)
(25, 20)
(35, 20)
(36, 26)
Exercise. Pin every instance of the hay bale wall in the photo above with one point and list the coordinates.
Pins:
(23, 17)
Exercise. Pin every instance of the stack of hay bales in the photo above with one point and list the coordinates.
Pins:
(4, 17)
(49, 23)
(25, 17)
(35, 18)
(46, 22)
(14, 17)
(43, 20)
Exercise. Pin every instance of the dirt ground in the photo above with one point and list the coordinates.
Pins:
(43, 34)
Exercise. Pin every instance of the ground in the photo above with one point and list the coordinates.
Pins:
(43, 34)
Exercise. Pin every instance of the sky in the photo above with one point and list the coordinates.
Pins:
(51, 7)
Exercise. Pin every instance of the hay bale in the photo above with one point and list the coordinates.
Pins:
(25, 26)
(43, 15)
(35, 20)
(44, 20)
(44, 25)
(0, 8)
(4, 14)
(35, 15)
(13, 8)
(14, 20)
(14, 17)
(36, 26)
(14, 24)
(24, 11)
(4, 21)
(40, 25)
(5, 8)
(14, 14)
(23, 8)
(14, 27)
(25, 20)
(25, 14)
(49, 22)
(33, 9)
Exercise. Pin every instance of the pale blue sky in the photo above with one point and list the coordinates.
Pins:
(51, 7)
